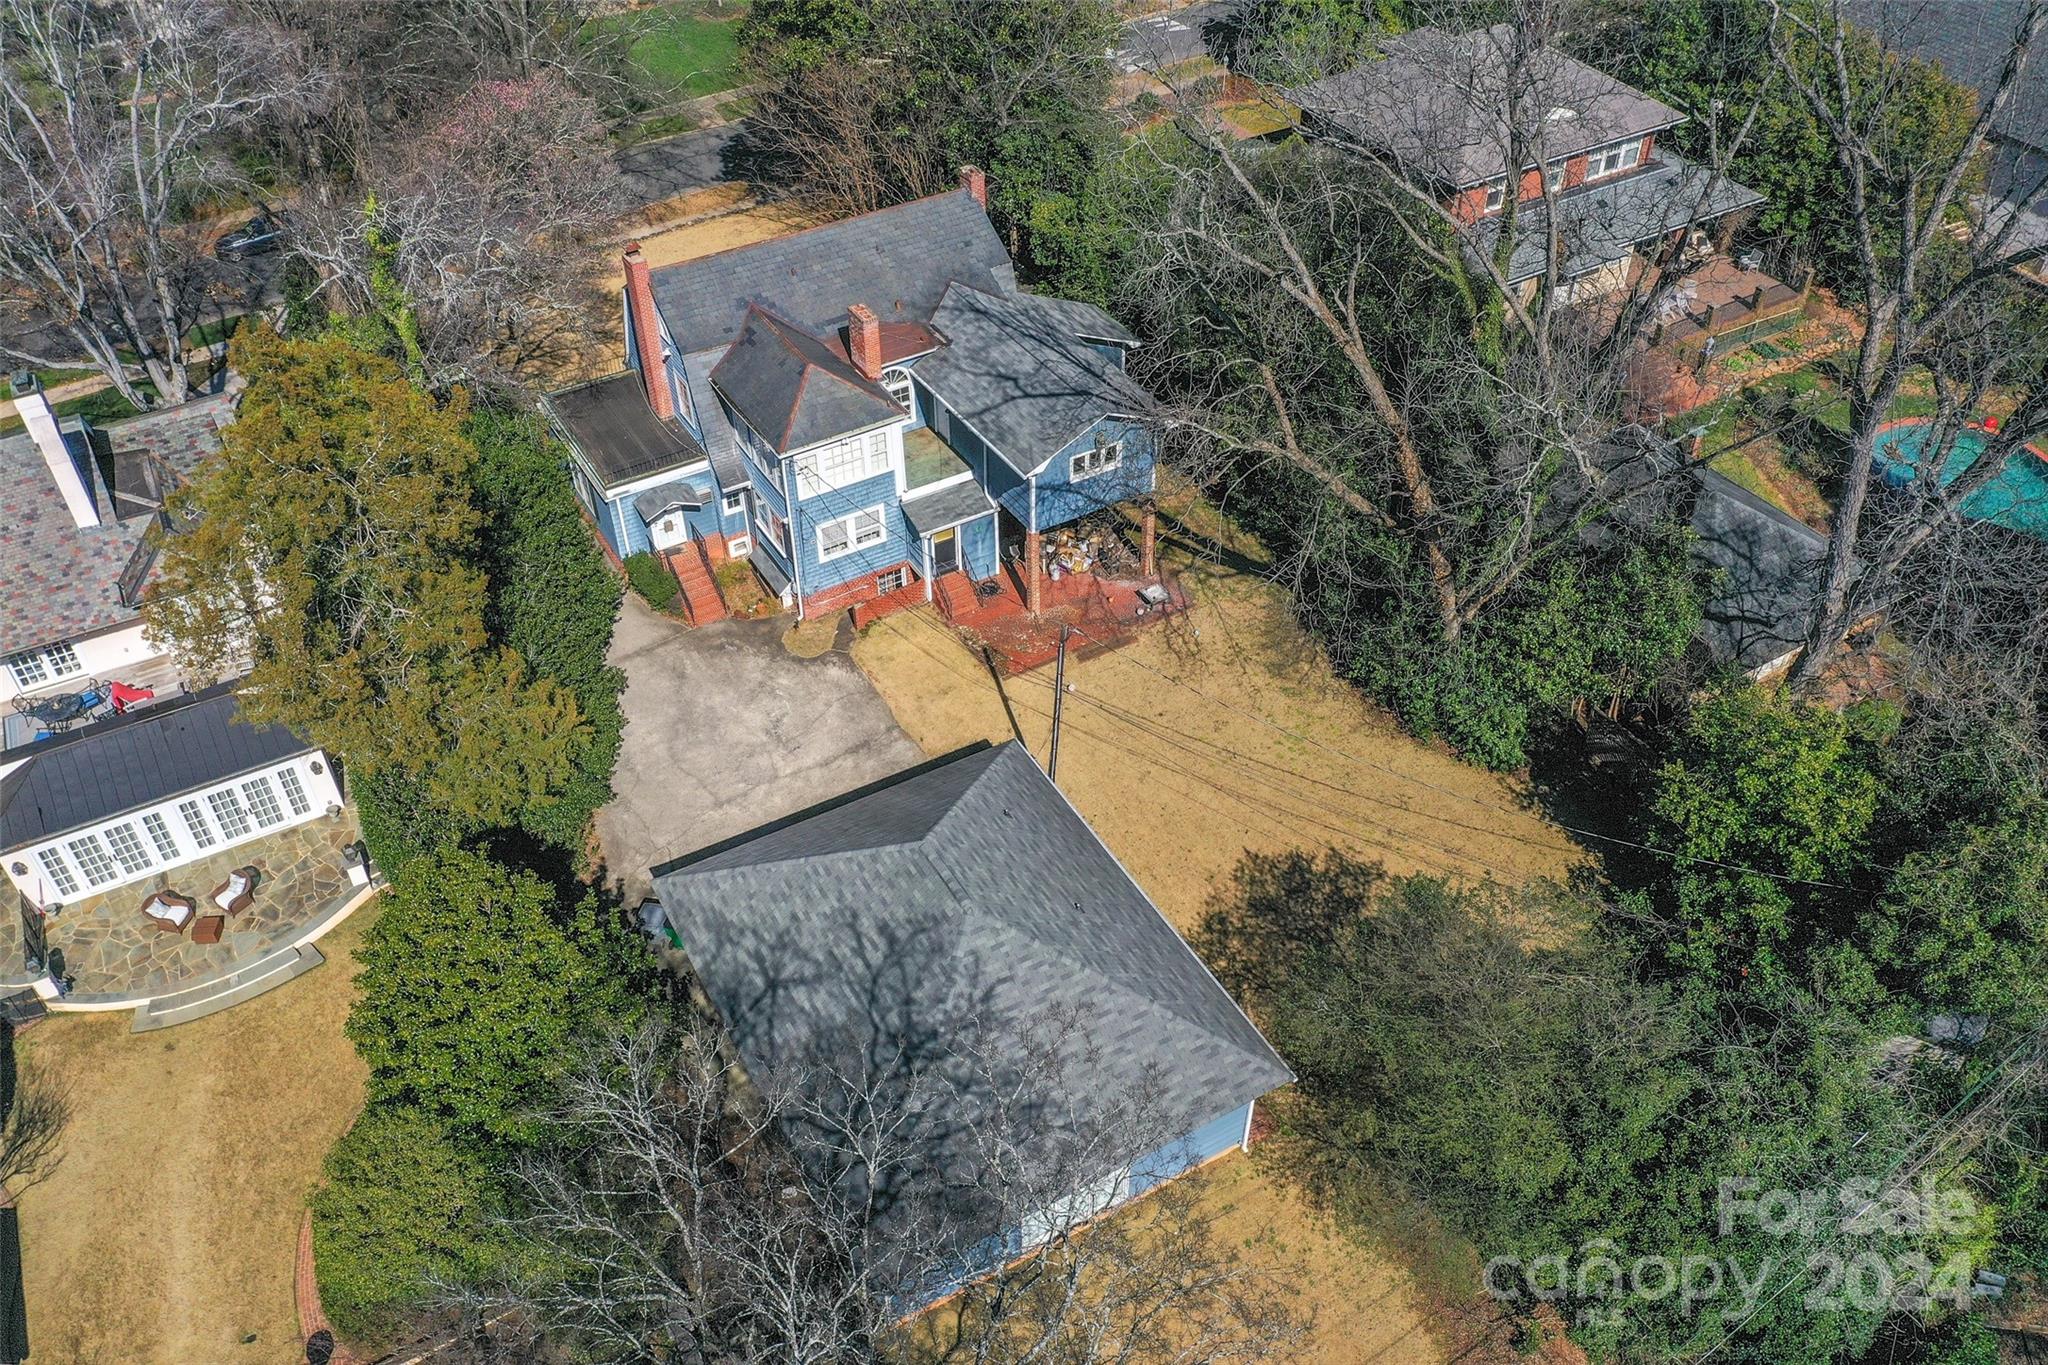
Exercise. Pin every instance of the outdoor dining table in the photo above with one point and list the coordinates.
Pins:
(63, 708)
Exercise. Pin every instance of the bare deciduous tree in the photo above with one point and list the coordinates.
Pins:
(467, 237)
(1450, 379)
(34, 1109)
(800, 1217)
(111, 122)
(1935, 269)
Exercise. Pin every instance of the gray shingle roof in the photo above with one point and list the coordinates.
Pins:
(793, 388)
(966, 889)
(1971, 39)
(948, 506)
(650, 503)
(897, 261)
(609, 421)
(1770, 563)
(1014, 372)
(59, 580)
(1438, 102)
(1082, 320)
(134, 761)
(1599, 223)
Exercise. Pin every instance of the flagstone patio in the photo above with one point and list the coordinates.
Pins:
(109, 952)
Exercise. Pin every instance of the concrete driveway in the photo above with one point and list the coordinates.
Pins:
(727, 730)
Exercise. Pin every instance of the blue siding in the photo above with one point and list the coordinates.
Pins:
(990, 470)
(978, 547)
(1062, 499)
(1212, 1139)
(897, 544)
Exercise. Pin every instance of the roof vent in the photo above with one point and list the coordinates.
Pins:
(1561, 114)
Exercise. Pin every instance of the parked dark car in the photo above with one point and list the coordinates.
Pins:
(264, 232)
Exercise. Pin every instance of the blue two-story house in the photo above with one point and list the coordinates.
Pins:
(858, 408)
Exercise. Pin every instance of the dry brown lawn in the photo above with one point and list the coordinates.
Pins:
(1180, 785)
(168, 1232)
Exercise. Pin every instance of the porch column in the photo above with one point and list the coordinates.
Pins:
(1032, 569)
(1148, 541)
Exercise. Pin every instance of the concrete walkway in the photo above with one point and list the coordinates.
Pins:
(727, 730)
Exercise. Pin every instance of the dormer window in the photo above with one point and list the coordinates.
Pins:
(897, 382)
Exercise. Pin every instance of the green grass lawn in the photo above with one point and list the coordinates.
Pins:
(106, 405)
(682, 50)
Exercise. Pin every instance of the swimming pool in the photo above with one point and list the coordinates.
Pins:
(2017, 498)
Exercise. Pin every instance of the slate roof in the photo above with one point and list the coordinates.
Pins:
(794, 389)
(609, 421)
(1599, 223)
(965, 890)
(898, 261)
(1083, 320)
(1438, 101)
(58, 580)
(949, 506)
(1770, 563)
(721, 442)
(133, 761)
(1014, 372)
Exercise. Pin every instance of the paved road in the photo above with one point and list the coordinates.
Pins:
(676, 165)
(727, 730)
(1163, 39)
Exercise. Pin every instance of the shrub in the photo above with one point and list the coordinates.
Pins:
(554, 600)
(652, 580)
(405, 1207)
(473, 983)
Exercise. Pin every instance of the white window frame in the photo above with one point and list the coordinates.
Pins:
(159, 831)
(896, 381)
(90, 857)
(1086, 464)
(60, 873)
(259, 798)
(131, 855)
(1555, 173)
(229, 813)
(739, 545)
(1496, 194)
(294, 787)
(1614, 158)
(732, 504)
(192, 811)
(892, 581)
(857, 536)
(34, 667)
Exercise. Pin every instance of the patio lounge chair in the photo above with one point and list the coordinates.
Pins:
(170, 913)
(234, 894)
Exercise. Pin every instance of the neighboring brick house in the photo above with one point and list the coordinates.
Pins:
(858, 408)
(1437, 105)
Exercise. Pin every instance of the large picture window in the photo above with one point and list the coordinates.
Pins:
(843, 462)
(128, 849)
(843, 535)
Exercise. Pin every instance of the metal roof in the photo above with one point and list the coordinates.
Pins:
(85, 776)
(1439, 102)
(897, 261)
(968, 887)
(608, 420)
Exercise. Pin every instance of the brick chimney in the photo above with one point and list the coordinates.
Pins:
(975, 183)
(864, 341)
(647, 333)
(74, 484)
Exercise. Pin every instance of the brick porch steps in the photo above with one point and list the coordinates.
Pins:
(954, 593)
(692, 567)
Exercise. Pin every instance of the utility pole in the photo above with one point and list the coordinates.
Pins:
(1059, 696)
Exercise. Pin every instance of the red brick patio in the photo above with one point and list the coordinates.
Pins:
(1104, 611)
